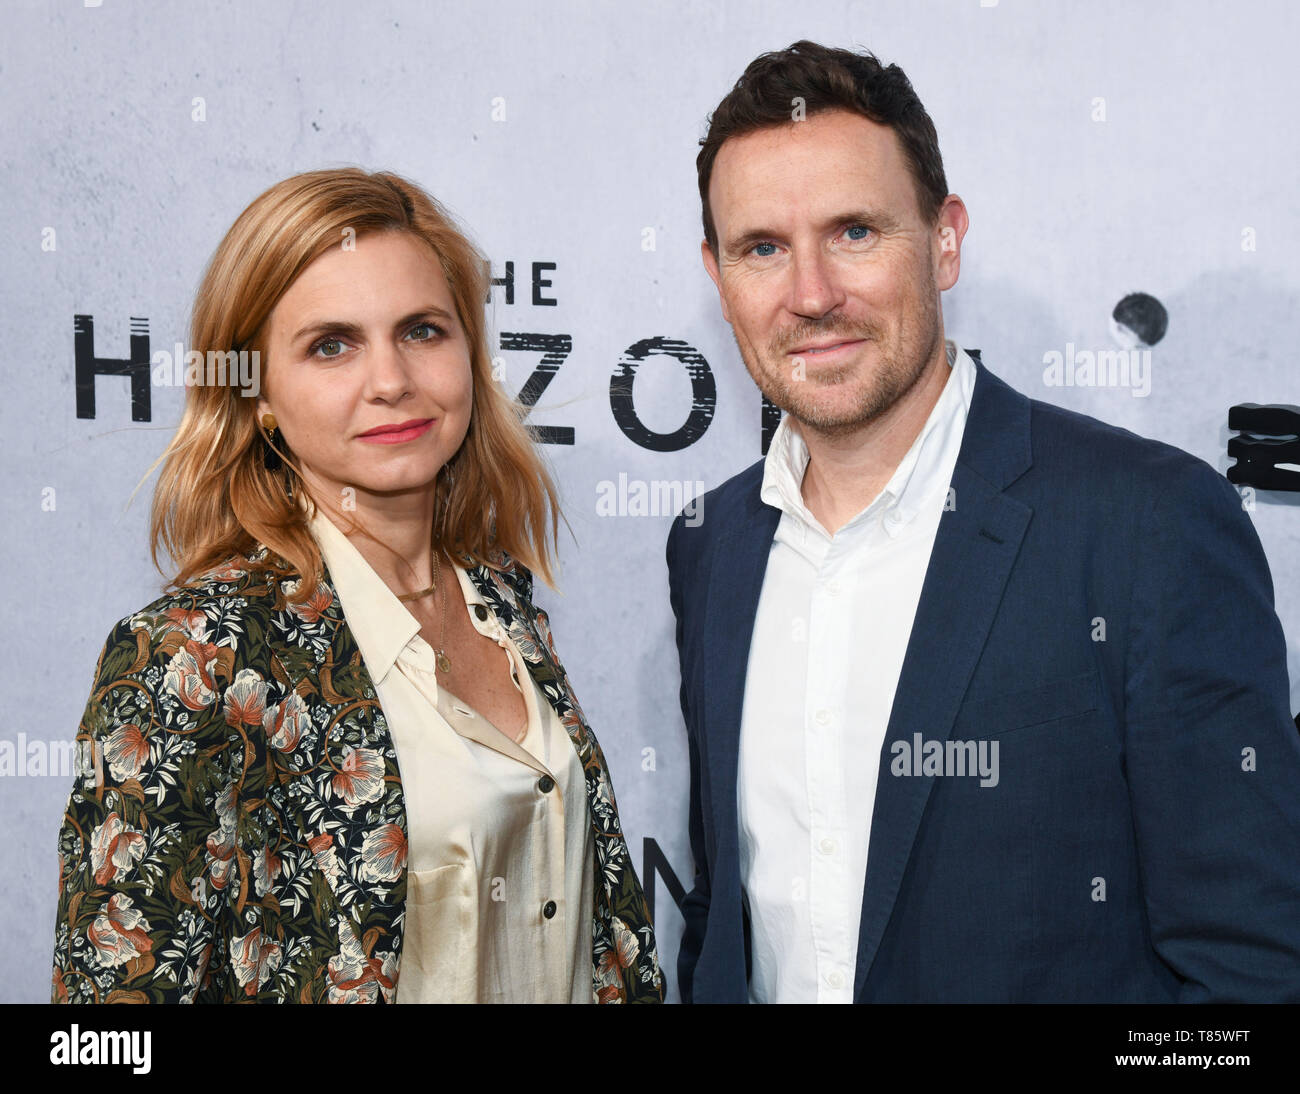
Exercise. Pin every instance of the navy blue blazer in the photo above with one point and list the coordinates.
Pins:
(1159, 758)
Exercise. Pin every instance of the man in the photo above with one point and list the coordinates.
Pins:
(985, 700)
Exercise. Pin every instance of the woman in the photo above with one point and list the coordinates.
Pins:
(342, 747)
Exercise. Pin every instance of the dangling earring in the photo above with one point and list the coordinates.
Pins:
(270, 457)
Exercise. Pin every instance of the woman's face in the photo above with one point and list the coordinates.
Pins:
(368, 370)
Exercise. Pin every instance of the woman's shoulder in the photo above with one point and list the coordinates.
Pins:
(234, 587)
(201, 632)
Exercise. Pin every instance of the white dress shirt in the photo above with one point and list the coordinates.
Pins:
(500, 846)
(834, 618)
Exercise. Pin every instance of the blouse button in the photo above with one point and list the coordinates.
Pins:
(480, 613)
(549, 909)
(545, 784)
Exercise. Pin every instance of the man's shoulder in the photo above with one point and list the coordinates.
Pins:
(737, 493)
(724, 509)
(1059, 431)
(1098, 457)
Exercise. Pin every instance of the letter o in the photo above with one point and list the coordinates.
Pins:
(704, 395)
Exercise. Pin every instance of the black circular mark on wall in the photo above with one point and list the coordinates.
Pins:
(704, 395)
(1143, 315)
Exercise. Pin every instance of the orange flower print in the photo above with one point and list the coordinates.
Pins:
(284, 723)
(120, 932)
(383, 853)
(361, 781)
(327, 859)
(544, 629)
(266, 868)
(221, 843)
(126, 751)
(253, 960)
(221, 857)
(115, 847)
(229, 571)
(626, 947)
(196, 975)
(245, 699)
(193, 623)
(190, 674)
(315, 606)
(616, 964)
(356, 978)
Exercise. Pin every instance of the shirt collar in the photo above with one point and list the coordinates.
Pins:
(927, 465)
(380, 623)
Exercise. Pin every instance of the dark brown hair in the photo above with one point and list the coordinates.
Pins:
(825, 79)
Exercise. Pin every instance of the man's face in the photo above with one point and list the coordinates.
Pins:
(827, 271)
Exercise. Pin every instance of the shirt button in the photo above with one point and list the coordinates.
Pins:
(827, 846)
(548, 910)
(545, 784)
(823, 716)
(480, 613)
(833, 588)
(835, 979)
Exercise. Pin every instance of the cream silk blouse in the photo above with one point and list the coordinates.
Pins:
(500, 845)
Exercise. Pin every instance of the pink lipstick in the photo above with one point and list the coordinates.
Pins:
(399, 433)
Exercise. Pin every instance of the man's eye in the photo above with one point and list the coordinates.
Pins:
(765, 250)
(327, 347)
(857, 232)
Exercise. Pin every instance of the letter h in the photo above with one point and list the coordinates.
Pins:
(89, 366)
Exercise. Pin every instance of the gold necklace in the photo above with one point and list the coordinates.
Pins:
(440, 660)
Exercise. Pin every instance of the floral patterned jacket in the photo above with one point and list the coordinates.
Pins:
(238, 832)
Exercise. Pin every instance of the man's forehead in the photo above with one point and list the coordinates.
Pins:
(831, 161)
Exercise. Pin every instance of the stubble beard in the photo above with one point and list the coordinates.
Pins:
(898, 370)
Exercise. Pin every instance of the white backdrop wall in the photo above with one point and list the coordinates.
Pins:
(1101, 147)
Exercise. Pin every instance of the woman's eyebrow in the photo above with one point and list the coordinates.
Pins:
(348, 329)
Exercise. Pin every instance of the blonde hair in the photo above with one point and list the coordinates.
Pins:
(215, 496)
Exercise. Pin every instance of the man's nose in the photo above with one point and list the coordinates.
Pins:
(814, 287)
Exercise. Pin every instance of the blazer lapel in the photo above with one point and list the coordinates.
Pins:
(735, 582)
(974, 551)
(625, 962)
(532, 636)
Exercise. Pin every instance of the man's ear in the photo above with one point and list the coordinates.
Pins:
(711, 264)
(950, 231)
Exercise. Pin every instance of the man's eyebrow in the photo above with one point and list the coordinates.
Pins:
(872, 218)
(345, 329)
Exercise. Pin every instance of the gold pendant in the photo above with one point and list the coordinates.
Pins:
(444, 665)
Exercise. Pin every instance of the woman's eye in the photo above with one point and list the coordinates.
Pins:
(423, 332)
(327, 347)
